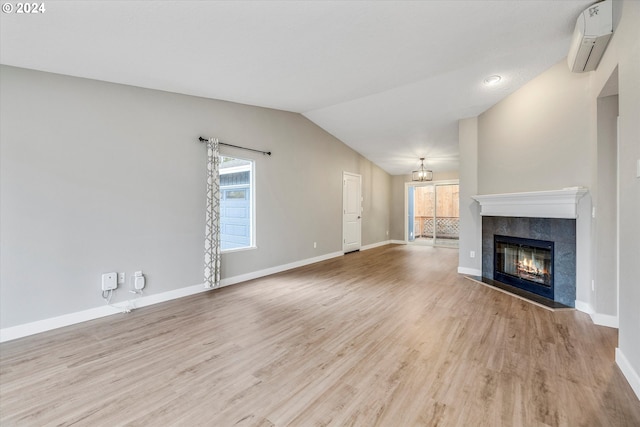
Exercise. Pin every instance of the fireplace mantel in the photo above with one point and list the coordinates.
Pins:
(536, 204)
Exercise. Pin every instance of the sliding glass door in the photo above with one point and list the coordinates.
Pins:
(433, 213)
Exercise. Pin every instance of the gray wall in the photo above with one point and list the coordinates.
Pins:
(99, 177)
(470, 220)
(538, 138)
(606, 201)
(545, 136)
(397, 207)
(624, 52)
(376, 189)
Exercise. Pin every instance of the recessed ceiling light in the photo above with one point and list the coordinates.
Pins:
(492, 80)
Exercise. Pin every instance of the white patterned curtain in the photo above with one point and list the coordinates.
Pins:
(212, 229)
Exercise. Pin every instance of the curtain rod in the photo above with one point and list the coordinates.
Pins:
(268, 153)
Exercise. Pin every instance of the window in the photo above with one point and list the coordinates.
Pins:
(236, 203)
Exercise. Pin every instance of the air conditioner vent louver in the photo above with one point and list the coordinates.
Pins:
(593, 30)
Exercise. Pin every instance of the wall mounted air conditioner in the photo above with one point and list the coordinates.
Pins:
(594, 28)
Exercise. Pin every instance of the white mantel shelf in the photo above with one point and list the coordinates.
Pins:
(536, 204)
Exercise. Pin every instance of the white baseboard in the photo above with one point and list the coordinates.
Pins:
(470, 271)
(32, 328)
(600, 319)
(629, 373)
(376, 245)
(584, 307)
(605, 320)
(398, 242)
(277, 269)
(373, 245)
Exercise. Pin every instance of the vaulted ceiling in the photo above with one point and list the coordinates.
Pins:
(388, 78)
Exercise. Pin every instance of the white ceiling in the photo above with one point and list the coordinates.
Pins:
(388, 78)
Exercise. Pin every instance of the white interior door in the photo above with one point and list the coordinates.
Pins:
(351, 212)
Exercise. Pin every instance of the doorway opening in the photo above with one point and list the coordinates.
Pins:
(433, 213)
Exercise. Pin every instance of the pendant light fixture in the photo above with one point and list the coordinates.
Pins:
(422, 174)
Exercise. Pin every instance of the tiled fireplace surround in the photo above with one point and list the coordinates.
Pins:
(558, 230)
(542, 215)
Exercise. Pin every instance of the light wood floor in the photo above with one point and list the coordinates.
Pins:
(391, 336)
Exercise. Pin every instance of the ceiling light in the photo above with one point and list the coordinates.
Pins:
(422, 174)
(492, 80)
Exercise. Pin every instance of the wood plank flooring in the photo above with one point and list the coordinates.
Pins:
(391, 336)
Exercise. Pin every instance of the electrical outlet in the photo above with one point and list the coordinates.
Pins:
(593, 285)
(121, 278)
(109, 281)
(472, 254)
(315, 245)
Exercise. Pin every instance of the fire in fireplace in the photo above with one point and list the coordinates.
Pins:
(524, 263)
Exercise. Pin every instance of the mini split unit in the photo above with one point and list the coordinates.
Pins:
(594, 28)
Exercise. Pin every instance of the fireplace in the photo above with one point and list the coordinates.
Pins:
(558, 216)
(552, 274)
(524, 263)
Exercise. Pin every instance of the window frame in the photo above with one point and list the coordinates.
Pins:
(252, 199)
